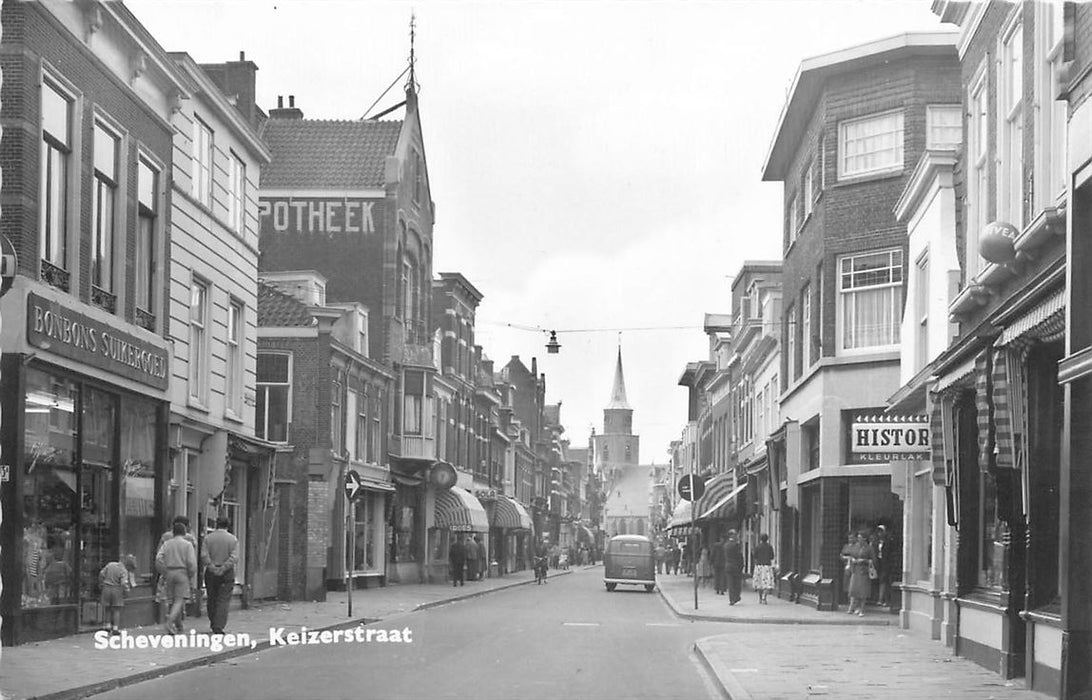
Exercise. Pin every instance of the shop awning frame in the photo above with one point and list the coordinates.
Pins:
(458, 510)
(721, 508)
(509, 514)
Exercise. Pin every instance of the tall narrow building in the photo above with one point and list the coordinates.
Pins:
(616, 461)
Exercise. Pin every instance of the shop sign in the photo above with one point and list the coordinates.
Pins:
(324, 215)
(882, 438)
(68, 333)
(486, 494)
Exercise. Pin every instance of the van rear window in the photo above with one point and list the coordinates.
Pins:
(630, 547)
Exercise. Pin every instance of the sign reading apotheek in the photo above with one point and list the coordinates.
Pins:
(883, 437)
(62, 331)
(317, 215)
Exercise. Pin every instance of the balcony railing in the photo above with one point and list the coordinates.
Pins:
(104, 299)
(55, 276)
(418, 447)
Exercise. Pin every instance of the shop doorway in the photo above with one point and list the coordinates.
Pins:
(97, 501)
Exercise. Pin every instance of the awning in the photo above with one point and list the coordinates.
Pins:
(680, 517)
(955, 375)
(725, 506)
(509, 514)
(457, 509)
(715, 489)
(584, 533)
(1045, 319)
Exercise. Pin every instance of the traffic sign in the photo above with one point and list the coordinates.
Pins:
(691, 487)
(353, 485)
(8, 264)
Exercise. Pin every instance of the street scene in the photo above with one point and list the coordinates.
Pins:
(604, 349)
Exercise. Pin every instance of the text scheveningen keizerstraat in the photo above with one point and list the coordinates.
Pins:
(278, 637)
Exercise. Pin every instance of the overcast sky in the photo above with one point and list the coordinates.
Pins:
(595, 165)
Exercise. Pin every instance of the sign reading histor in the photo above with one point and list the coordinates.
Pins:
(901, 437)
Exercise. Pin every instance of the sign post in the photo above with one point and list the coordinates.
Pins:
(691, 488)
(352, 490)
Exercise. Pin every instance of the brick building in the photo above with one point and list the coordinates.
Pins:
(88, 98)
(319, 391)
(854, 123)
(350, 199)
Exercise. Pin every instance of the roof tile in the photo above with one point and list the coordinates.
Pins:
(317, 153)
(277, 309)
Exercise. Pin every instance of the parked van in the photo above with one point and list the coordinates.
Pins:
(628, 560)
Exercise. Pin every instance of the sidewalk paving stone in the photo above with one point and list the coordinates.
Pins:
(71, 667)
(785, 650)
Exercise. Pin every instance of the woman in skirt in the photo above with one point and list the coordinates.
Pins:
(762, 578)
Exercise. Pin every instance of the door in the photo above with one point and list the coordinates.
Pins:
(97, 500)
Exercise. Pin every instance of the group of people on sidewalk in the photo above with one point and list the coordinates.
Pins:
(176, 564)
(868, 561)
(722, 563)
(467, 558)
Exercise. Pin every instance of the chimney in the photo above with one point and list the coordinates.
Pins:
(289, 112)
(237, 79)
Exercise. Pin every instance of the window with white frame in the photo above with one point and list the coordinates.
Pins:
(821, 179)
(921, 310)
(978, 180)
(57, 106)
(870, 145)
(793, 218)
(1010, 96)
(790, 342)
(273, 383)
(337, 411)
(806, 189)
(870, 299)
(237, 194)
(375, 437)
(202, 163)
(760, 410)
(199, 350)
(943, 126)
(104, 202)
(805, 326)
(147, 238)
(233, 380)
(360, 445)
(1050, 179)
(818, 312)
(921, 557)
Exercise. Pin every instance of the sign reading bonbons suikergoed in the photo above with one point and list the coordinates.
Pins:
(321, 215)
(53, 327)
(881, 438)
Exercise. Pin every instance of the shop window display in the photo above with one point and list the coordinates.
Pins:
(49, 506)
(138, 526)
(98, 449)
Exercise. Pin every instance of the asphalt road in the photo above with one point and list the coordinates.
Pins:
(568, 638)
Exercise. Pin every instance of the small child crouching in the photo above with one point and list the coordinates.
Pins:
(115, 579)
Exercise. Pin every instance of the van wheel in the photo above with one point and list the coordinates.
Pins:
(649, 587)
(611, 586)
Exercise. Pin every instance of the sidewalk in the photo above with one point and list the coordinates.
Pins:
(71, 667)
(801, 653)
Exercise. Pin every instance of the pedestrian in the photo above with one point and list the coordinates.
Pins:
(762, 578)
(676, 556)
(219, 559)
(456, 559)
(717, 560)
(660, 553)
(483, 556)
(471, 563)
(177, 563)
(859, 556)
(115, 579)
(685, 558)
(847, 570)
(733, 567)
(884, 563)
(161, 583)
(704, 571)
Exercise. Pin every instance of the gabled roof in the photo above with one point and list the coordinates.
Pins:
(321, 154)
(807, 85)
(279, 310)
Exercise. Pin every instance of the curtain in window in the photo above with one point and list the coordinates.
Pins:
(872, 144)
(869, 317)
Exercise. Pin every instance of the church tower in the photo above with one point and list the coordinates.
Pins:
(617, 460)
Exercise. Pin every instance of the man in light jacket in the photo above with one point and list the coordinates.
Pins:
(219, 556)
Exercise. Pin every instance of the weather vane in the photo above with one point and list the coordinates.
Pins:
(411, 82)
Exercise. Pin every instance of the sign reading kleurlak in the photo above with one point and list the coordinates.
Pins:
(62, 331)
(886, 437)
(325, 215)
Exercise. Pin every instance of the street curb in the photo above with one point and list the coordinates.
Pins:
(834, 621)
(151, 674)
(727, 680)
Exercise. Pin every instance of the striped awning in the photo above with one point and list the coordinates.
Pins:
(457, 509)
(1046, 319)
(584, 533)
(680, 517)
(509, 514)
(725, 507)
(962, 372)
(715, 489)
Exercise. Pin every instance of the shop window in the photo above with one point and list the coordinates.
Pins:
(273, 400)
(403, 523)
(870, 291)
(139, 535)
(97, 530)
(49, 487)
(57, 108)
(366, 548)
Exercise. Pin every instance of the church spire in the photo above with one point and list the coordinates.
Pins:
(618, 393)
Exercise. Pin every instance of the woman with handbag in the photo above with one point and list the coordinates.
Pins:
(860, 559)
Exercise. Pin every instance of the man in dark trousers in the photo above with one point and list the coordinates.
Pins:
(471, 559)
(733, 558)
(219, 557)
(456, 558)
(717, 561)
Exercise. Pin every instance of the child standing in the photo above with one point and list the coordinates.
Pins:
(115, 579)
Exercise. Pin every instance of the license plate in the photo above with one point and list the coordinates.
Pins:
(629, 572)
